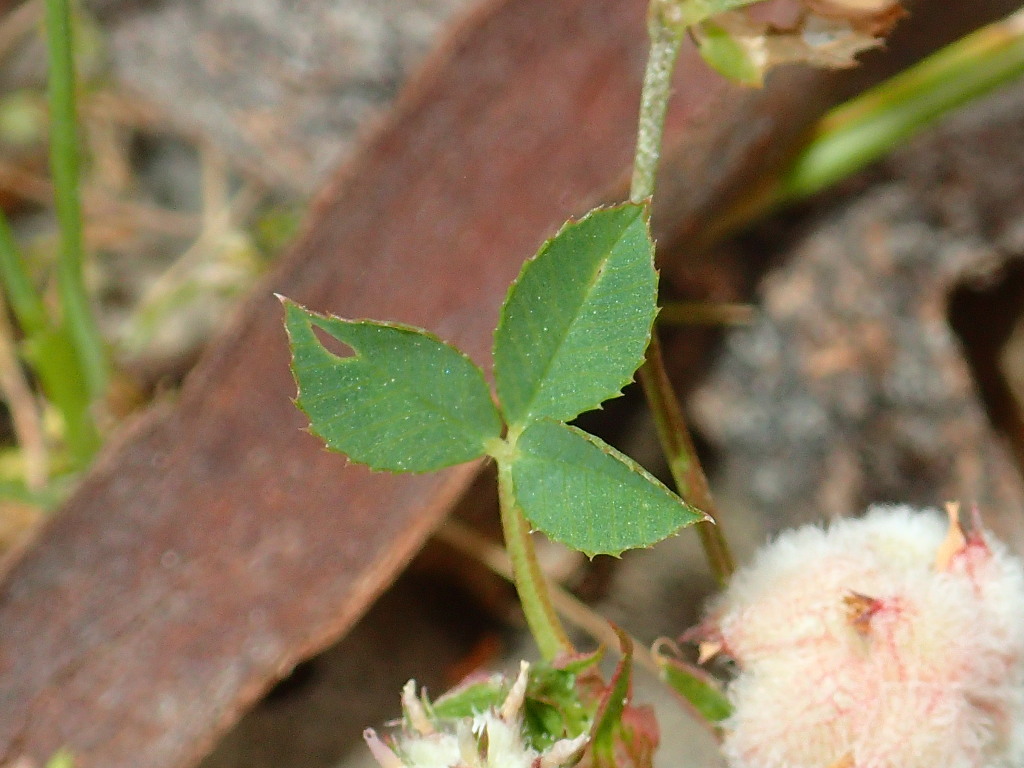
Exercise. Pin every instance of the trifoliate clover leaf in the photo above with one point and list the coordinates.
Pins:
(578, 318)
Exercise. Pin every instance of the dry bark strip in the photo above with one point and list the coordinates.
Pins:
(217, 544)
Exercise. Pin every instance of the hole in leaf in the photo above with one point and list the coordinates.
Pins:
(335, 346)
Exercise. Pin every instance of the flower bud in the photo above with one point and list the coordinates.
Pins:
(490, 739)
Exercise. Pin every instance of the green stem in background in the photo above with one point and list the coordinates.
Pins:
(25, 411)
(705, 313)
(64, 164)
(686, 469)
(534, 594)
(50, 351)
(673, 434)
(866, 128)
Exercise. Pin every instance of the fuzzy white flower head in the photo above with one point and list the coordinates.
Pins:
(889, 641)
(491, 739)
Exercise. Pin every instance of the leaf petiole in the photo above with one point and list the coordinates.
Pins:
(531, 585)
(673, 433)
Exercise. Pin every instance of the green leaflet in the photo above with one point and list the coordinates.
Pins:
(577, 320)
(404, 402)
(582, 492)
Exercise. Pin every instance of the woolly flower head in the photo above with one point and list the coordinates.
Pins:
(489, 739)
(889, 641)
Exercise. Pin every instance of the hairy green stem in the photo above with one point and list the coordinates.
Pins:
(574, 611)
(532, 587)
(64, 165)
(673, 434)
(657, 86)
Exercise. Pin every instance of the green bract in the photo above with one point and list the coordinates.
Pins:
(552, 708)
(696, 687)
(404, 402)
(584, 493)
(471, 699)
(578, 318)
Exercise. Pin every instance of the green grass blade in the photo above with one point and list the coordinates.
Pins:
(866, 128)
(25, 302)
(64, 166)
(51, 352)
(54, 357)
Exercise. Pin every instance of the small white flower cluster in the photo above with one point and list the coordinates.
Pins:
(889, 641)
(491, 739)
